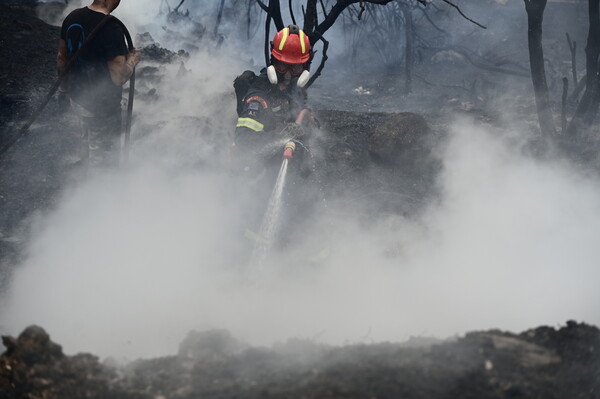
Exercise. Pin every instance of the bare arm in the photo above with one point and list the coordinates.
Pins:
(61, 63)
(121, 67)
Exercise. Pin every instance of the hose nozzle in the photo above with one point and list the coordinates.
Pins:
(288, 150)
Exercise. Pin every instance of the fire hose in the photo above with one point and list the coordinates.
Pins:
(25, 128)
(290, 146)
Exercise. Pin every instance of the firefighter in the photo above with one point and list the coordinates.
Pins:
(274, 120)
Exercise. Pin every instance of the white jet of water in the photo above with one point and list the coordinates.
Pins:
(270, 222)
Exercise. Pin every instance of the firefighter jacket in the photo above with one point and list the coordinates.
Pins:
(265, 109)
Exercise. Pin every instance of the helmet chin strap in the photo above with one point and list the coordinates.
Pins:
(272, 75)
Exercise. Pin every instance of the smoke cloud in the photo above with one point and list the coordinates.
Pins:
(128, 263)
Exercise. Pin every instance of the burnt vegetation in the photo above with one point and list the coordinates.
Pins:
(415, 65)
(542, 362)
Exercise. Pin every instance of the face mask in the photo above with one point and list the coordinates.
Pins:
(302, 79)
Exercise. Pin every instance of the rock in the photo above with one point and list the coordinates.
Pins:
(35, 367)
(401, 136)
(33, 346)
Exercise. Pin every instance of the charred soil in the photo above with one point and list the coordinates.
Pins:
(398, 148)
(541, 363)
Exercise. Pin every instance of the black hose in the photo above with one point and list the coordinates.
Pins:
(131, 93)
(25, 128)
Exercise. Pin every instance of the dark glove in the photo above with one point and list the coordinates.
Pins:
(63, 101)
(292, 130)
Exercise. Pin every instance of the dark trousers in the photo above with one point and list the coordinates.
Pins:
(101, 136)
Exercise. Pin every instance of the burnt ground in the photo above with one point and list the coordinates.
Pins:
(40, 159)
(543, 362)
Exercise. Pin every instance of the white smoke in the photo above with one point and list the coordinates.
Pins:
(128, 264)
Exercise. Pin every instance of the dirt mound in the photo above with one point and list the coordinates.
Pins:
(34, 367)
(544, 362)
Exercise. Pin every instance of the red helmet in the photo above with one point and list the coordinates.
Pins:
(291, 45)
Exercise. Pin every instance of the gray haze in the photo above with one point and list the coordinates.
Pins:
(128, 263)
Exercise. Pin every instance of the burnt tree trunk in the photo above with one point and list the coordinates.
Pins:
(219, 17)
(410, 46)
(535, 17)
(573, 49)
(563, 114)
(588, 106)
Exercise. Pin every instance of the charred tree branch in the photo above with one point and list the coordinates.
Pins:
(362, 10)
(310, 17)
(176, 9)
(563, 116)
(335, 12)
(291, 12)
(267, 38)
(323, 8)
(463, 14)
(577, 91)
(588, 105)
(410, 44)
(573, 49)
(263, 6)
(219, 16)
(248, 19)
(535, 17)
(275, 11)
(322, 64)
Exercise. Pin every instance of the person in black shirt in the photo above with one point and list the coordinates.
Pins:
(94, 83)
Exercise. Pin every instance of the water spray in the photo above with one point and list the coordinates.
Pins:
(270, 222)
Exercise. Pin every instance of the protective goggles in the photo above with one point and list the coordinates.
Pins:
(293, 69)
